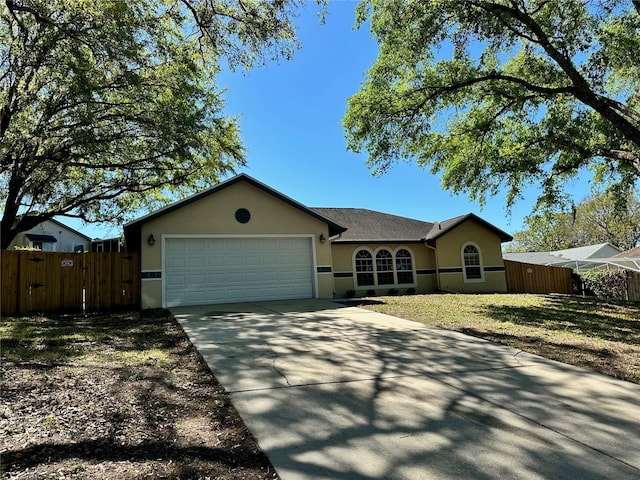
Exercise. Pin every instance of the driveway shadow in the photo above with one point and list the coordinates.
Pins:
(343, 393)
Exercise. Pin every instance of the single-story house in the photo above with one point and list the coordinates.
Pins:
(629, 259)
(52, 236)
(241, 240)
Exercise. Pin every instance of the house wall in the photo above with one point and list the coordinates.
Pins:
(344, 273)
(215, 215)
(450, 261)
(67, 240)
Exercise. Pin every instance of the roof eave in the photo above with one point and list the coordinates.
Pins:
(504, 236)
(334, 228)
(378, 240)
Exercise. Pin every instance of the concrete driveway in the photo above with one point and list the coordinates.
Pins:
(335, 392)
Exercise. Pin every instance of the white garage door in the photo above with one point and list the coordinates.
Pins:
(199, 271)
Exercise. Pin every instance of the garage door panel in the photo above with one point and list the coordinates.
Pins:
(218, 270)
(196, 245)
(216, 261)
(176, 262)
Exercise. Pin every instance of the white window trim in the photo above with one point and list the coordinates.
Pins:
(413, 267)
(43, 249)
(464, 266)
(375, 270)
(355, 271)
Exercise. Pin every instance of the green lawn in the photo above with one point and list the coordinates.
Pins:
(603, 336)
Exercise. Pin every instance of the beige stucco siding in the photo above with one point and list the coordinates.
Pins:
(423, 257)
(450, 262)
(215, 215)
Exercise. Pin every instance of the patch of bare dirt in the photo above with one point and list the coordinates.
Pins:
(121, 396)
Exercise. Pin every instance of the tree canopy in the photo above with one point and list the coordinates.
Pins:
(107, 105)
(596, 219)
(503, 94)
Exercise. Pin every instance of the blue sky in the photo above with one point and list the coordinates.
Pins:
(290, 115)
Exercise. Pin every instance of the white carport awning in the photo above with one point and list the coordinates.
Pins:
(613, 263)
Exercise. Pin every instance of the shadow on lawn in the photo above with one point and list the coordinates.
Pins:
(100, 450)
(62, 338)
(124, 405)
(591, 317)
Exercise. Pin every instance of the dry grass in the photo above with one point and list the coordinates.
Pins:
(119, 397)
(600, 335)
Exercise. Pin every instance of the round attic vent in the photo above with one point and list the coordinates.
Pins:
(243, 215)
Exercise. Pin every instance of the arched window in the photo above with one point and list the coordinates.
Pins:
(404, 266)
(472, 263)
(384, 267)
(364, 268)
(390, 268)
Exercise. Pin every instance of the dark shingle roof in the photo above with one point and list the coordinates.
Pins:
(368, 225)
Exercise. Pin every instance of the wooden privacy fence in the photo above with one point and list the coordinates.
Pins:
(531, 278)
(52, 282)
(633, 286)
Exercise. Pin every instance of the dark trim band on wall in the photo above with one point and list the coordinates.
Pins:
(494, 269)
(323, 269)
(343, 275)
(451, 270)
(429, 271)
(151, 275)
(378, 242)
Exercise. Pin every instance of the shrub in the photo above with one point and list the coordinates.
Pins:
(605, 284)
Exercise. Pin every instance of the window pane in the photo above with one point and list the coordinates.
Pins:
(364, 261)
(472, 262)
(364, 279)
(364, 265)
(405, 277)
(384, 261)
(385, 278)
(403, 261)
(473, 272)
(384, 267)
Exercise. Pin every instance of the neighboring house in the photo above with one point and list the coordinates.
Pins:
(52, 236)
(243, 241)
(602, 255)
(629, 259)
(631, 253)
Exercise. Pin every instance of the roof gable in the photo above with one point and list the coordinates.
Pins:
(600, 250)
(133, 227)
(445, 226)
(68, 228)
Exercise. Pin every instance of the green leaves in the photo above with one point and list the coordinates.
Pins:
(502, 94)
(598, 219)
(109, 105)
